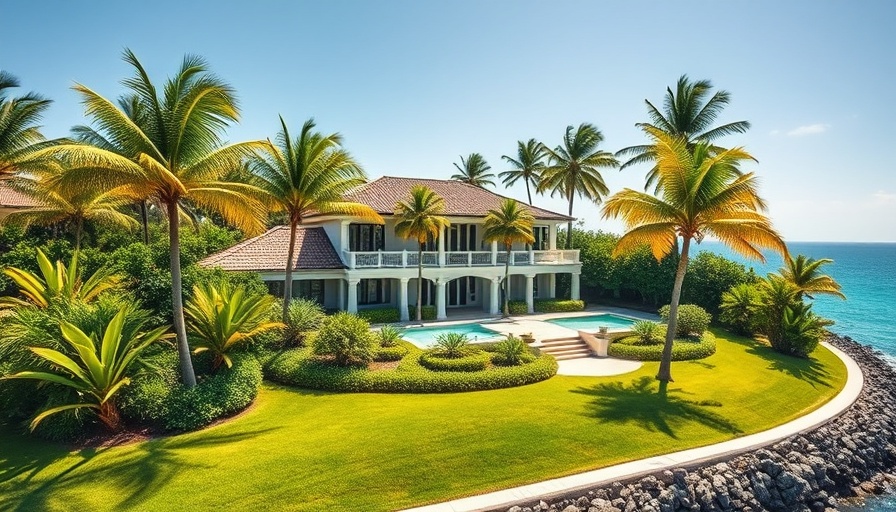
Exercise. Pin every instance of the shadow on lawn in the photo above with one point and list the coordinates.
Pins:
(135, 475)
(806, 369)
(652, 407)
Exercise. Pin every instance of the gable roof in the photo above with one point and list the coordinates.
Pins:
(12, 198)
(461, 199)
(267, 252)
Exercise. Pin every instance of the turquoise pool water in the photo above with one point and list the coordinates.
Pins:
(425, 337)
(594, 322)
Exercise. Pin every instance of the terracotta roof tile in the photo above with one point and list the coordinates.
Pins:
(461, 199)
(12, 198)
(268, 252)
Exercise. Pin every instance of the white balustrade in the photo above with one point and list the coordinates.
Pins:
(408, 259)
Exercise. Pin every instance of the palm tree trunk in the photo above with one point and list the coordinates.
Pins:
(569, 225)
(507, 284)
(144, 219)
(287, 281)
(420, 283)
(665, 372)
(528, 193)
(79, 230)
(177, 299)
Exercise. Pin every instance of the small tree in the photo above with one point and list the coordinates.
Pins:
(347, 338)
(508, 224)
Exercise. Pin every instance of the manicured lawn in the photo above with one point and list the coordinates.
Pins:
(302, 450)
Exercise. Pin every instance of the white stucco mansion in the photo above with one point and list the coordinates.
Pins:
(347, 265)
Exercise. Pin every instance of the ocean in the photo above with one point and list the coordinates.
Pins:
(867, 274)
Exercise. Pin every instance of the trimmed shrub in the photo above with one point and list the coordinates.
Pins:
(434, 361)
(682, 349)
(389, 335)
(382, 315)
(558, 305)
(517, 307)
(429, 312)
(452, 345)
(512, 351)
(302, 316)
(347, 338)
(396, 353)
(692, 319)
(648, 333)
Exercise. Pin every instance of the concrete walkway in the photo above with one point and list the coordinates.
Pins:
(596, 366)
(696, 456)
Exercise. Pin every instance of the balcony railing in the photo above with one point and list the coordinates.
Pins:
(408, 259)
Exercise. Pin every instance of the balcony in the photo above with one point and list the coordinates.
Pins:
(408, 259)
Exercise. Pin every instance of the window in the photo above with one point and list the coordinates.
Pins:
(275, 288)
(312, 289)
(374, 291)
(462, 237)
(366, 237)
(541, 234)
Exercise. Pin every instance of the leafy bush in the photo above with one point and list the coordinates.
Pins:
(395, 353)
(692, 319)
(648, 333)
(452, 345)
(739, 307)
(709, 276)
(347, 338)
(429, 312)
(558, 305)
(517, 307)
(682, 349)
(389, 335)
(435, 361)
(802, 330)
(382, 315)
(512, 351)
(302, 316)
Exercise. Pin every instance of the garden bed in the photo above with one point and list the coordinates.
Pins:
(683, 349)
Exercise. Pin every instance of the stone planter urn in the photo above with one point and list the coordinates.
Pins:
(528, 338)
(603, 330)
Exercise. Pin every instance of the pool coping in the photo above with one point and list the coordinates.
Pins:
(562, 486)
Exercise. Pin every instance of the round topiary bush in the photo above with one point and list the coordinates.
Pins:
(435, 361)
(347, 338)
(394, 353)
(692, 320)
(685, 349)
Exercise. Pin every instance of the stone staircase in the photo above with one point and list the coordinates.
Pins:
(565, 348)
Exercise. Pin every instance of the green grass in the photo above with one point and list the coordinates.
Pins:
(304, 450)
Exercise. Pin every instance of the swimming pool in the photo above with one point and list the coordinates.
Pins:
(425, 337)
(592, 323)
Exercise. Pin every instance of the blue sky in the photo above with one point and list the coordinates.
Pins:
(414, 84)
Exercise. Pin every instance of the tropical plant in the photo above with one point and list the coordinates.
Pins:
(648, 333)
(222, 317)
(452, 345)
(686, 113)
(804, 273)
(511, 351)
(420, 217)
(474, 171)
(97, 372)
(692, 320)
(390, 335)
(302, 317)
(702, 193)
(508, 224)
(739, 306)
(528, 165)
(57, 282)
(305, 175)
(574, 168)
(801, 330)
(347, 338)
(19, 132)
(173, 152)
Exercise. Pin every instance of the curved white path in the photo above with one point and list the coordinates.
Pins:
(600, 477)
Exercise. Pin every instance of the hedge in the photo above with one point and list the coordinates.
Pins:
(682, 349)
(296, 367)
(380, 315)
(395, 353)
(429, 312)
(518, 307)
(470, 363)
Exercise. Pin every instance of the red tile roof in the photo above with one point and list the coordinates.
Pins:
(11, 198)
(268, 252)
(461, 199)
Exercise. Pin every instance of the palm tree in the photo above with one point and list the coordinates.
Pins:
(702, 193)
(308, 174)
(172, 152)
(19, 132)
(420, 217)
(474, 171)
(686, 113)
(574, 168)
(528, 165)
(804, 273)
(508, 224)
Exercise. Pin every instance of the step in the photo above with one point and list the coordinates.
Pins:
(549, 341)
(562, 344)
(564, 350)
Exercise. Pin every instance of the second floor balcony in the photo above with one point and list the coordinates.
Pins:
(409, 259)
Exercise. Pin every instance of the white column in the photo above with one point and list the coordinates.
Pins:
(530, 294)
(352, 306)
(440, 299)
(495, 297)
(552, 286)
(403, 299)
(531, 256)
(343, 236)
(552, 237)
(341, 295)
(494, 252)
(574, 287)
(442, 247)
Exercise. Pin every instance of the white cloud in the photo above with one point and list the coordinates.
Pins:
(882, 197)
(774, 132)
(809, 129)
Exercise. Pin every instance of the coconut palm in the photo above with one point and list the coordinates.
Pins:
(528, 164)
(474, 171)
(804, 273)
(574, 168)
(688, 112)
(508, 224)
(309, 174)
(19, 132)
(420, 218)
(172, 151)
(702, 193)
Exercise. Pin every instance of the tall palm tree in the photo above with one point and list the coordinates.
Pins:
(420, 217)
(701, 193)
(508, 224)
(687, 112)
(308, 174)
(574, 168)
(19, 132)
(173, 151)
(804, 273)
(474, 171)
(528, 165)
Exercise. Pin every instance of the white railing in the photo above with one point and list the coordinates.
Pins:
(406, 259)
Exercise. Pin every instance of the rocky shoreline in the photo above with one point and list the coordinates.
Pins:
(852, 455)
